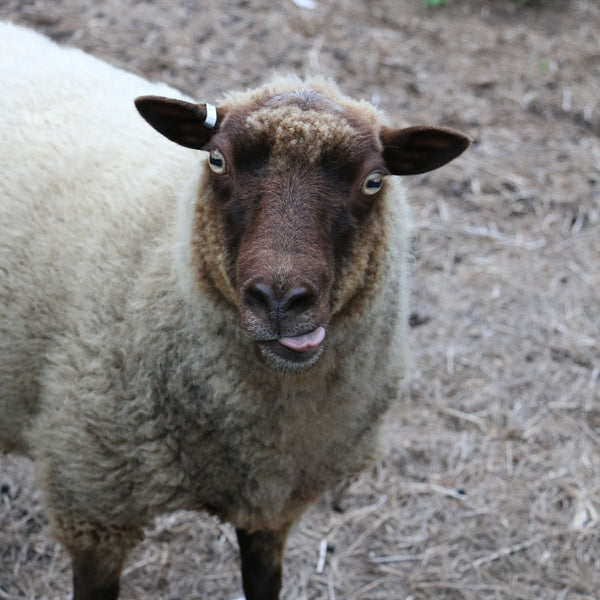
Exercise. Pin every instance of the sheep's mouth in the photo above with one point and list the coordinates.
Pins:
(293, 354)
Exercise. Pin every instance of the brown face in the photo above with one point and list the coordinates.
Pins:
(291, 205)
(293, 179)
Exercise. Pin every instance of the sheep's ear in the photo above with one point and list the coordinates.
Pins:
(185, 123)
(417, 150)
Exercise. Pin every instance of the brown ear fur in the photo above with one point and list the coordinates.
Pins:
(181, 122)
(417, 150)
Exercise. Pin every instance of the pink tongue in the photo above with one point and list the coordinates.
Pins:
(304, 342)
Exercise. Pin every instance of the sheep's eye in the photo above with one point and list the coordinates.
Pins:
(372, 183)
(216, 161)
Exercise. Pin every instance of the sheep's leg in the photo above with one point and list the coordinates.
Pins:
(94, 577)
(262, 554)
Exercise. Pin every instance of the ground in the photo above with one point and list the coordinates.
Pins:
(492, 485)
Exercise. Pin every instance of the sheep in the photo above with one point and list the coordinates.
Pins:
(211, 319)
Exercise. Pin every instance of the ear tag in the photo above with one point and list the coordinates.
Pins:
(211, 115)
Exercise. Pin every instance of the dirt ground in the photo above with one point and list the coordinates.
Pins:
(492, 486)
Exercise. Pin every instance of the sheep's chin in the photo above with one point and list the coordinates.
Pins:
(285, 360)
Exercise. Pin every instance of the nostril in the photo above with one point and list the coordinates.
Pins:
(260, 297)
(264, 301)
(298, 300)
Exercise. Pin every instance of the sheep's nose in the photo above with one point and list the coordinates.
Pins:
(264, 300)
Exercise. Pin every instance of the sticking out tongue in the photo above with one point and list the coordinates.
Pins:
(304, 342)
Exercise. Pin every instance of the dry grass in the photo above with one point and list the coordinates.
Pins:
(492, 486)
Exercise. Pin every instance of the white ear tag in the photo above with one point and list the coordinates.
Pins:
(211, 115)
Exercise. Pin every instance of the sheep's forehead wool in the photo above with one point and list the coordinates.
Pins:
(306, 118)
(294, 130)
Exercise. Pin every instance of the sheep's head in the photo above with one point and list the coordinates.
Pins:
(295, 175)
